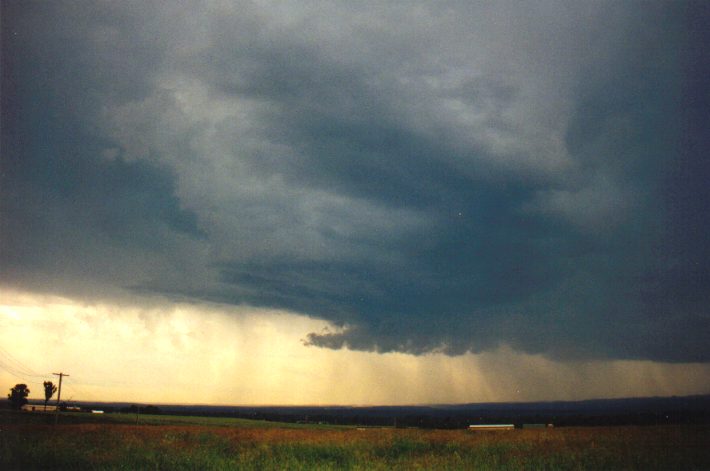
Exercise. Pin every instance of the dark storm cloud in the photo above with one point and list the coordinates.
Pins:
(428, 179)
(74, 212)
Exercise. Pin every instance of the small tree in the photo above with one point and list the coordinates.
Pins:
(18, 396)
(49, 390)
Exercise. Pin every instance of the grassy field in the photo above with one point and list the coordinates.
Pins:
(82, 441)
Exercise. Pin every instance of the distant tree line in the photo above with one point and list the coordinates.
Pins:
(133, 409)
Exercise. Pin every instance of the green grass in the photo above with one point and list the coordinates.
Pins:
(177, 443)
(66, 418)
(146, 419)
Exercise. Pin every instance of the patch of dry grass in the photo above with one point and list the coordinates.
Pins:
(122, 446)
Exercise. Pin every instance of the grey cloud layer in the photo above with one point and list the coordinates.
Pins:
(427, 177)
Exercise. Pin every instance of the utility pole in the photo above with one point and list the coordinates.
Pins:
(59, 395)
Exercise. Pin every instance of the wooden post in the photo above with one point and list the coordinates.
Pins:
(59, 395)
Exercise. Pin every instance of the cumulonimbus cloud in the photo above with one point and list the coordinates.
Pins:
(432, 178)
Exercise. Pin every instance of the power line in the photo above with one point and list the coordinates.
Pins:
(72, 385)
(13, 371)
(10, 362)
(19, 375)
(9, 356)
(106, 383)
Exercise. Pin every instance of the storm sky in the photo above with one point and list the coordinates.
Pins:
(417, 178)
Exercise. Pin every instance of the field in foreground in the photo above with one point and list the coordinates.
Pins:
(183, 443)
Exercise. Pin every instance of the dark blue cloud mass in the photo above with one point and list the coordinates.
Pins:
(427, 177)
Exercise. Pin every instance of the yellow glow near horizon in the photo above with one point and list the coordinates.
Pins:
(213, 354)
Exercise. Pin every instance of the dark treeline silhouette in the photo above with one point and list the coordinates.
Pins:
(635, 411)
(49, 390)
(18, 396)
(134, 409)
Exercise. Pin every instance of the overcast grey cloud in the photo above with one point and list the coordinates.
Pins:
(427, 176)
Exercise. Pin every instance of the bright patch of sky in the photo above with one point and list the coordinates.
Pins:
(435, 183)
